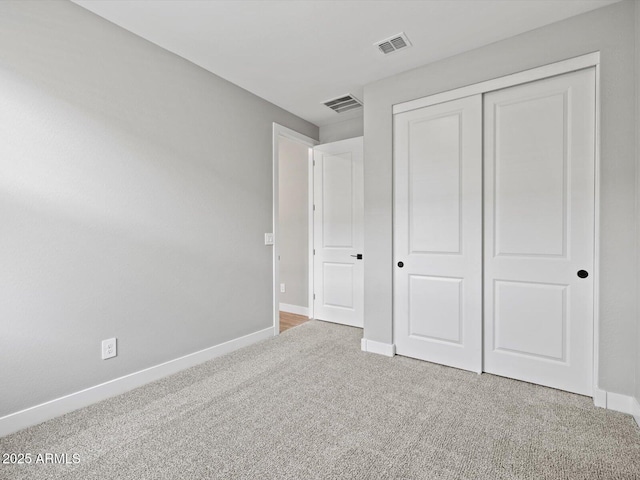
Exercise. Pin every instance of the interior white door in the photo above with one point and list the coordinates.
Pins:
(438, 233)
(338, 232)
(539, 231)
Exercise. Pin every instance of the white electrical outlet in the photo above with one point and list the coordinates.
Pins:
(109, 348)
(282, 288)
(268, 238)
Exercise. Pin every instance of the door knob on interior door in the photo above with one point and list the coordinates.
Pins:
(583, 273)
(401, 264)
(358, 256)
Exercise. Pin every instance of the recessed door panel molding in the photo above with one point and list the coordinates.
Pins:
(337, 200)
(438, 233)
(338, 220)
(539, 150)
(530, 319)
(337, 280)
(435, 311)
(530, 175)
(435, 184)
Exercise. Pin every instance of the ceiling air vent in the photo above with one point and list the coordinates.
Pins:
(393, 44)
(343, 103)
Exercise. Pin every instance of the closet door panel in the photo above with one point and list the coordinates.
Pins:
(539, 231)
(437, 239)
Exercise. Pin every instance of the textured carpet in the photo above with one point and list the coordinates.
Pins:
(309, 404)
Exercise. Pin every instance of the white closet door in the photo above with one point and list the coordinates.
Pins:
(339, 232)
(539, 231)
(438, 236)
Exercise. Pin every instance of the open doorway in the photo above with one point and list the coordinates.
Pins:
(293, 228)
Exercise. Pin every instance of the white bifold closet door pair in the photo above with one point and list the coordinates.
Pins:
(494, 232)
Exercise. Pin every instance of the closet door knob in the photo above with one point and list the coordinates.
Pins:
(401, 264)
(583, 273)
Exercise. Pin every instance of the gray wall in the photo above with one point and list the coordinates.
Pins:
(609, 30)
(334, 132)
(135, 191)
(293, 232)
(637, 5)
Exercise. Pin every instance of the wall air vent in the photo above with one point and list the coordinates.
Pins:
(393, 44)
(343, 103)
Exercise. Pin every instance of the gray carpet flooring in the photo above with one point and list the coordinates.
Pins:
(310, 405)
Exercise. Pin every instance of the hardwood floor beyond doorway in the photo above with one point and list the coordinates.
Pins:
(290, 320)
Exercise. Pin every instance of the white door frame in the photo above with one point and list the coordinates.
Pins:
(546, 71)
(280, 131)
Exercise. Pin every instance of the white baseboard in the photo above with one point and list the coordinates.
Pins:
(59, 406)
(297, 309)
(600, 398)
(636, 411)
(371, 346)
(617, 402)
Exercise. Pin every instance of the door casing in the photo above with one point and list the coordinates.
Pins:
(280, 131)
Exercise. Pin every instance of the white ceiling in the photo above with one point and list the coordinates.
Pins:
(298, 54)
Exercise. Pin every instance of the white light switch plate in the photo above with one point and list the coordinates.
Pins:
(268, 238)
